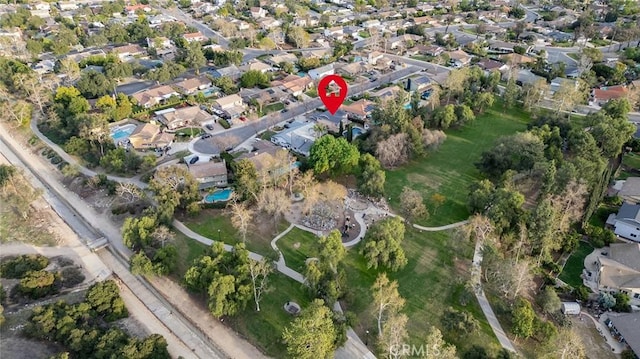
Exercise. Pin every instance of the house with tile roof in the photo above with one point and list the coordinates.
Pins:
(210, 174)
(618, 270)
(149, 136)
(154, 95)
(600, 96)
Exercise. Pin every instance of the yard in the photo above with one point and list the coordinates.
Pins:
(451, 170)
(573, 268)
(273, 107)
(630, 166)
(433, 280)
(184, 134)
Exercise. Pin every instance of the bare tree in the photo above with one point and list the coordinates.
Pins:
(568, 344)
(275, 202)
(35, 88)
(386, 299)
(163, 234)
(71, 69)
(393, 151)
(241, 217)
(394, 335)
(480, 227)
(259, 271)
(432, 139)
(569, 205)
(535, 93)
(412, 203)
(129, 192)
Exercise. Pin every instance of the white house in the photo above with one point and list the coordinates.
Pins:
(618, 270)
(627, 222)
(321, 72)
(258, 12)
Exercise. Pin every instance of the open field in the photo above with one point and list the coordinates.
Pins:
(305, 243)
(451, 170)
(573, 268)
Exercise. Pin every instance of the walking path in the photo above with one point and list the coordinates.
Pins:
(484, 302)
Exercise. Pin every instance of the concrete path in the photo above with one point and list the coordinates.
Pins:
(441, 228)
(484, 303)
(616, 346)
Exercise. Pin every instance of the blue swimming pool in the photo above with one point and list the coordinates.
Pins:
(219, 196)
(407, 106)
(122, 133)
(355, 132)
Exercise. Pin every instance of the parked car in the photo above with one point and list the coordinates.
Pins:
(284, 111)
(193, 160)
(209, 127)
(242, 118)
(206, 135)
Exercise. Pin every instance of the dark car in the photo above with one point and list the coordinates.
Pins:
(209, 127)
(284, 111)
(193, 160)
(205, 136)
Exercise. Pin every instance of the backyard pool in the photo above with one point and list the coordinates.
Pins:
(355, 132)
(221, 195)
(119, 134)
(407, 106)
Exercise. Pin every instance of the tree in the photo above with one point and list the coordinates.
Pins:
(372, 178)
(394, 151)
(241, 217)
(247, 185)
(443, 117)
(129, 192)
(328, 154)
(104, 299)
(274, 201)
(106, 103)
(511, 94)
(266, 44)
(549, 300)
(394, 335)
(519, 152)
(523, 318)
(259, 271)
(312, 334)
(37, 284)
(568, 344)
(612, 133)
(606, 300)
(436, 344)
(253, 78)
(298, 37)
(175, 187)
(534, 94)
(93, 84)
(412, 203)
(140, 264)
(193, 57)
(383, 244)
(69, 68)
(136, 232)
(386, 299)
(437, 200)
(459, 322)
(567, 96)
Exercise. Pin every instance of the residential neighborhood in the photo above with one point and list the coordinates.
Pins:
(477, 191)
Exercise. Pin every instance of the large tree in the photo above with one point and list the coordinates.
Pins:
(412, 203)
(371, 178)
(175, 187)
(386, 299)
(383, 244)
(312, 335)
(93, 84)
(336, 156)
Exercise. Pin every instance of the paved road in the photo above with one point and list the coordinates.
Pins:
(239, 134)
(190, 21)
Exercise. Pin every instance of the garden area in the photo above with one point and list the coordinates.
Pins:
(630, 166)
(451, 170)
(575, 264)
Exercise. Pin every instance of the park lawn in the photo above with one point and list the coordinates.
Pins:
(259, 236)
(451, 170)
(631, 160)
(295, 258)
(575, 264)
(188, 250)
(264, 328)
(433, 280)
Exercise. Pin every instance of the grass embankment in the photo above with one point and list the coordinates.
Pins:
(451, 170)
(575, 264)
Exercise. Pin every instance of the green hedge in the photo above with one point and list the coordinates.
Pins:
(224, 123)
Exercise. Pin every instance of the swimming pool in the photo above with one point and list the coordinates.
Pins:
(119, 134)
(407, 106)
(220, 195)
(355, 132)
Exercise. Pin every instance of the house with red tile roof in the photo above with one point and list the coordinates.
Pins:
(600, 96)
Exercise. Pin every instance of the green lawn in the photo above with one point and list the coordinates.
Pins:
(188, 250)
(264, 328)
(273, 107)
(295, 258)
(363, 34)
(266, 135)
(432, 281)
(259, 237)
(573, 268)
(451, 170)
(185, 134)
(632, 160)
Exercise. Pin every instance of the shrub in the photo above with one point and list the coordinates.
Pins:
(71, 277)
(19, 266)
(37, 284)
(224, 123)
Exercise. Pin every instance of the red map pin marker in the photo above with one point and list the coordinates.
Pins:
(332, 90)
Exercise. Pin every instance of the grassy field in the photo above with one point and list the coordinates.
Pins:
(188, 250)
(264, 328)
(451, 170)
(433, 280)
(573, 268)
(295, 257)
(216, 225)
